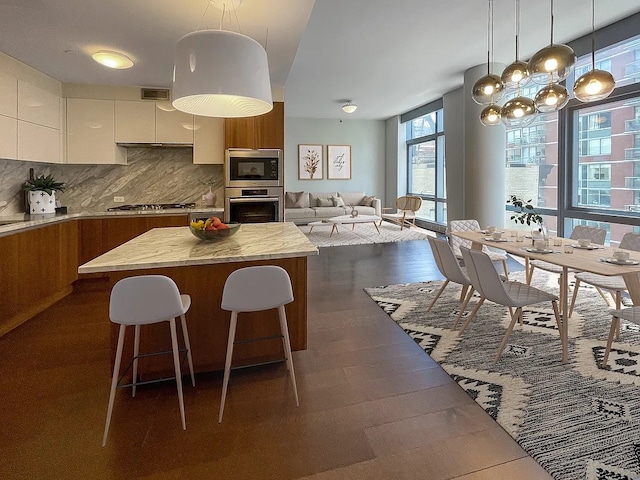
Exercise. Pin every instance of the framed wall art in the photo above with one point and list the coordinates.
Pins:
(310, 162)
(339, 162)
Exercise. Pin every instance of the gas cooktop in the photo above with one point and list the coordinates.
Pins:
(152, 206)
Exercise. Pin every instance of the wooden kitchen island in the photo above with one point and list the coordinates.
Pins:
(200, 269)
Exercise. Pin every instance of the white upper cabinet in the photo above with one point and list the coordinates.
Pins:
(37, 143)
(208, 141)
(90, 132)
(8, 137)
(152, 122)
(173, 126)
(38, 106)
(135, 122)
(8, 95)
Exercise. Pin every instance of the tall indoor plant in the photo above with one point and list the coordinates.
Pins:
(42, 194)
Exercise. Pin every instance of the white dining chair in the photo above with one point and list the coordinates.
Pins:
(145, 300)
(487, 282)
(593, 234)
(472, 225)
(253, 289)
(615, 285)
(450, 269)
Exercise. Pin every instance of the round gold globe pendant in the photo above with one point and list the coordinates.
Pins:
(487, 89)
(490, 115)
(551, 98)
(556, 61)
(594, 85)
(515, 74)
(518, 112)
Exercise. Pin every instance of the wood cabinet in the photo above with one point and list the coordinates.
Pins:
(263, 131)
(151, 122)
(208, 140)
(38, 268)
(90, 133)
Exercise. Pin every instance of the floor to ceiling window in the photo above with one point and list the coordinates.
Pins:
(426, 165)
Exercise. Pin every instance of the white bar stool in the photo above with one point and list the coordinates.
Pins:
(253, 289)
(144, 300)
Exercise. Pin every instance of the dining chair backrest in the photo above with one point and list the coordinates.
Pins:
(487, 281)
(594, 234)
(251, 289)
(630, 241)
(446, 261)
(470, 225)
(145, 299)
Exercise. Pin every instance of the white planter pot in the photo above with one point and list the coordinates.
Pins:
(40, 202)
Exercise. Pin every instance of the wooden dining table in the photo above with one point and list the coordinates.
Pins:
(581, 259)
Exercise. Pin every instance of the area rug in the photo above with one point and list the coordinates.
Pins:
(577, 420)
(363, 233)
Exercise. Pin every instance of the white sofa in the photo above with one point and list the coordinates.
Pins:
(304, 207)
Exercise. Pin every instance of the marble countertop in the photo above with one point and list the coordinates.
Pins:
(176, 246)
(22, 222)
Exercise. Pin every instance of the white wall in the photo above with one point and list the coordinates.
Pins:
(367, 140)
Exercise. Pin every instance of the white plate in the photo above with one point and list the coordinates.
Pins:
(590, 247)
(491, 239)
(620, 262)
(535, 250)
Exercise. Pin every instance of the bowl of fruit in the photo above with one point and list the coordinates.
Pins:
(212, 228)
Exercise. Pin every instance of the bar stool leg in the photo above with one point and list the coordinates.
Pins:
(185, 335)
(227, 363)
(285, 333)
(176, 366)
(136, 351)
(114, 382)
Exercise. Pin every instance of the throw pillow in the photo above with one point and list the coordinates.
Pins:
(325, 202)
(337, 201)
(367, 201)
(296, 200)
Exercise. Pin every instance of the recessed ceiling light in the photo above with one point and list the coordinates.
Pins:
(112, 59)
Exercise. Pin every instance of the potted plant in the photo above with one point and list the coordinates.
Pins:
(526, 213)
(42, 194)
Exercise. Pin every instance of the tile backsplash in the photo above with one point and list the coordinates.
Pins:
(153, 175)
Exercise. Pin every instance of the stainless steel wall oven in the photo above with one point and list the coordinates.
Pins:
(254, 205)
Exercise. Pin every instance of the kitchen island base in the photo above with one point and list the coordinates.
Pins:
(209, 324)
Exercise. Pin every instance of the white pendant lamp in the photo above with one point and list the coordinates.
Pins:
(489, 88)
(218, 73)
(556, 61)
(595, 84)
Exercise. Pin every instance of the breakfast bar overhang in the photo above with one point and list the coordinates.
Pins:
(200, 269)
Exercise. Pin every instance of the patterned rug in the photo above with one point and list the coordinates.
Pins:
(362, 233)
(577, 420)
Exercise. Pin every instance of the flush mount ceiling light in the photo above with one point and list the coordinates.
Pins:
(595, 84)
(219, 73)
(517, 73)
(489, 88)
(349, 107)
(112, 59)
(556, 61)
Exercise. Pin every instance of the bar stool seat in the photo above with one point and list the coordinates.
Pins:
(144, 300)
(253, 289)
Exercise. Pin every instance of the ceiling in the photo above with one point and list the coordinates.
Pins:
(386, 56)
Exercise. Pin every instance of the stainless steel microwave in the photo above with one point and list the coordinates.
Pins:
(253, 168)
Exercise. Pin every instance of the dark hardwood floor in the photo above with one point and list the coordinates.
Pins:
(372, 404)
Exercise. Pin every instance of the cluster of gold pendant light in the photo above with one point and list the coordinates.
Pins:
(547, 67)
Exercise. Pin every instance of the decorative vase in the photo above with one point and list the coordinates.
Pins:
(40, 202)
(541, 232)
(354, 212)
(210, 198)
